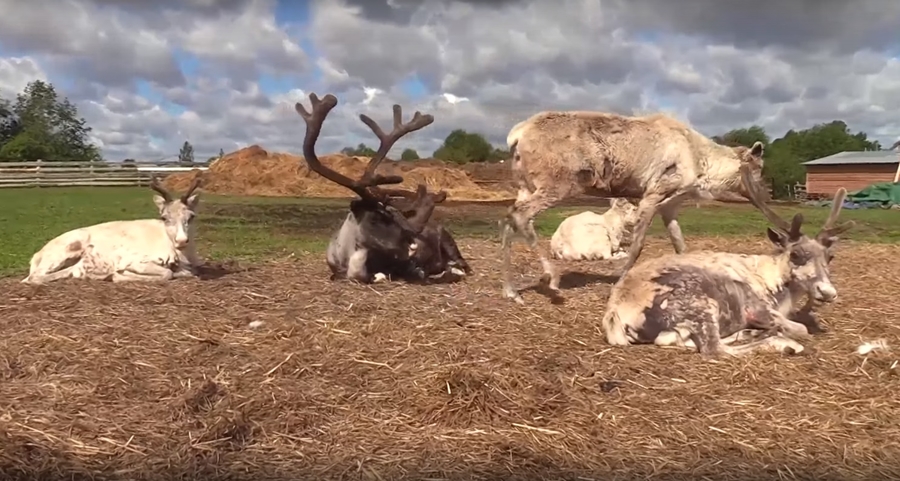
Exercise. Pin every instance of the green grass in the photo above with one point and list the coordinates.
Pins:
(252, 228)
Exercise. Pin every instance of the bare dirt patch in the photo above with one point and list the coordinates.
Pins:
(445, 382)
(256, 171)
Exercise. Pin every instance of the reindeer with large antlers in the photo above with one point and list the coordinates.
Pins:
(710, 300)
(127, 250)
(387, 232)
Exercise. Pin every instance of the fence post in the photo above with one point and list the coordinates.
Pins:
(37, 173)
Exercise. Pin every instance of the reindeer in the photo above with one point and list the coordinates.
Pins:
(383, 236)
(592, 236)
(657, 159)
(127, 250)
(710, 300)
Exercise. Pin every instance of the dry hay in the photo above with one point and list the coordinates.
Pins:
(443, 382)
(255, 171)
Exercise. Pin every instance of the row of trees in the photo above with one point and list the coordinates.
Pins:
(784, 157)
(41, 125)
(460, 147)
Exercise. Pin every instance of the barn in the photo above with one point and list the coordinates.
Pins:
(851, 170)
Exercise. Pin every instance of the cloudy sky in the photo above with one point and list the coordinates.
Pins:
(226, 73)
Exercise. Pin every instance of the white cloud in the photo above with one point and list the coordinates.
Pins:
(15, 73)
(486, 65)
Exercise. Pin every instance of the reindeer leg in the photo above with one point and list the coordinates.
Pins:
(521, 220)
(454, 257)
(356, 268)
(71, 271)
(645, 212)
(792, 329)
(771, 342)
(507, 236)
(143, 272)
(669, 214)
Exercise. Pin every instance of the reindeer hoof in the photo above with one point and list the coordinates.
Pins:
(510, 293)
(412, 249)
(378, 278)
(788, 346)
(457, 272)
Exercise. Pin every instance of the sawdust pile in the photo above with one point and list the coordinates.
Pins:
(255, 171)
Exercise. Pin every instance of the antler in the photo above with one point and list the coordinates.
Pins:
(754, 195)
(418, 122)
(829, 229)
(366, 186)
(194, 184)
(155, 185)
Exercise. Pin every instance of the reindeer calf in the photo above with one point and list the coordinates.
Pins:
(592, 236)
(128, 250)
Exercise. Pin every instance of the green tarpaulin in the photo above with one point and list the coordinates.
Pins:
(886, 193)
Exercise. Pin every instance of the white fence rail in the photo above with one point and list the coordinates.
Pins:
(85, 174)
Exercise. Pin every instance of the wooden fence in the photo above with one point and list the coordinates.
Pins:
(85, 174)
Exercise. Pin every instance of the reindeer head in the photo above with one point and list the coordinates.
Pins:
(626, 207)
(752, 159)
(809, 257)
(387, 223)
(177, 214)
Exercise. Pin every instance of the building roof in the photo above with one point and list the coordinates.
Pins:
(862, 157)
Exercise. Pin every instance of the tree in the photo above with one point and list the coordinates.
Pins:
(498, 154)
(41, 126)
(9, 124)
(361, 150)
(186, 154)
(461, 147)
(409, 154)
(784, 157)
(746, 137)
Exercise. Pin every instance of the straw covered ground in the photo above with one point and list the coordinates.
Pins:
(342, 381)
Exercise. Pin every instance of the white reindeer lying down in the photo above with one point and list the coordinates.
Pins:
(708, 300)
(126, 250)
(592, 236)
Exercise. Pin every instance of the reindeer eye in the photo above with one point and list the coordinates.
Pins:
(797, 259)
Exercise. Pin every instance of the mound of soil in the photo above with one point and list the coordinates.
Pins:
(255, 171)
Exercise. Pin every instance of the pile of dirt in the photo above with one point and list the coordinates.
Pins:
(255, 171)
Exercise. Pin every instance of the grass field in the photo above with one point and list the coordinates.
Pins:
(270, 371)
(253, 228)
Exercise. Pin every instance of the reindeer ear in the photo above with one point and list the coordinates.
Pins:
(159, 201)
(776, 237)
(758, 149)
(193, 201)
(828, 241)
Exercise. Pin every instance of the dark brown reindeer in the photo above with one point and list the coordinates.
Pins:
(388, 232)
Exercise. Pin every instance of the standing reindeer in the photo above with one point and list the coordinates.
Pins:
(657, 159)
(709, 300)
(383, 235)
(126, 250)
